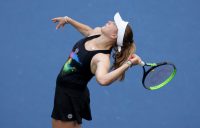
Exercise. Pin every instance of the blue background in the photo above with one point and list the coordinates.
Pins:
(32, 52)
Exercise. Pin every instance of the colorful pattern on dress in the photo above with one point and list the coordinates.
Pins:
(69, 67)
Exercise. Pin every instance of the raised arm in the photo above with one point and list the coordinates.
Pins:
(82, 28)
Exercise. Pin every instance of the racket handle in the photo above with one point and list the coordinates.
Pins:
(142, 63)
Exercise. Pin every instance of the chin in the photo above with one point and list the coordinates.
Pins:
(102, 29)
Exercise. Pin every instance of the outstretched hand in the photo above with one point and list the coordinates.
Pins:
(61, 21)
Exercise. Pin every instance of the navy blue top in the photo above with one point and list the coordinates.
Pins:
(76, 72)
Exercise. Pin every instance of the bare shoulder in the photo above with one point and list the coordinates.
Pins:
(95, 31)
(102, 57)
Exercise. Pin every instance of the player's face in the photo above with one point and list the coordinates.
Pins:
(110, 28)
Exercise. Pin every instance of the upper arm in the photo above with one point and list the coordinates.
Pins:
(102, 64)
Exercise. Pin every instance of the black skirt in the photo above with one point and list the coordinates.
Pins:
(71, 105)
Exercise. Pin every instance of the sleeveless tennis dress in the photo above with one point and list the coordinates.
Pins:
(72, 98)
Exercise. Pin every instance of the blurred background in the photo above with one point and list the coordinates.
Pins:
(32, 53)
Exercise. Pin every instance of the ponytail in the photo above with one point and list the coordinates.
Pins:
(121, 57)
(127, 49)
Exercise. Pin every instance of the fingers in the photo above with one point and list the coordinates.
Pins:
(135, 59)
(58, 26)
(54, 20)
(60, 20)
(133, 56)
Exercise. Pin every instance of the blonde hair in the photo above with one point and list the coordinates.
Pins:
(127, 49)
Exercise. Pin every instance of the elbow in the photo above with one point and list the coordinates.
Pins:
(103, 82)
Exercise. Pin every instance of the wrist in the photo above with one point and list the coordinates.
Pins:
(129, 63)
(67, 19)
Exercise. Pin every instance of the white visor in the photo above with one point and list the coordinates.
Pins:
(121, 26)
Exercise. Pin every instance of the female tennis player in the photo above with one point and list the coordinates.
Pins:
(90, 57)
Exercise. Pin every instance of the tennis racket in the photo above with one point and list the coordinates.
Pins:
(157, 75)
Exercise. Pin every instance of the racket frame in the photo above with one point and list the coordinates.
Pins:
(152, 67)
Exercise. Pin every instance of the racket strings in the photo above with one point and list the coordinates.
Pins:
(159, 75)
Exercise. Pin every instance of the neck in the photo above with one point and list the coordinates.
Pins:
(103, 43)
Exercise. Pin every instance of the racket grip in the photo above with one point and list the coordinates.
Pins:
(142, 63)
